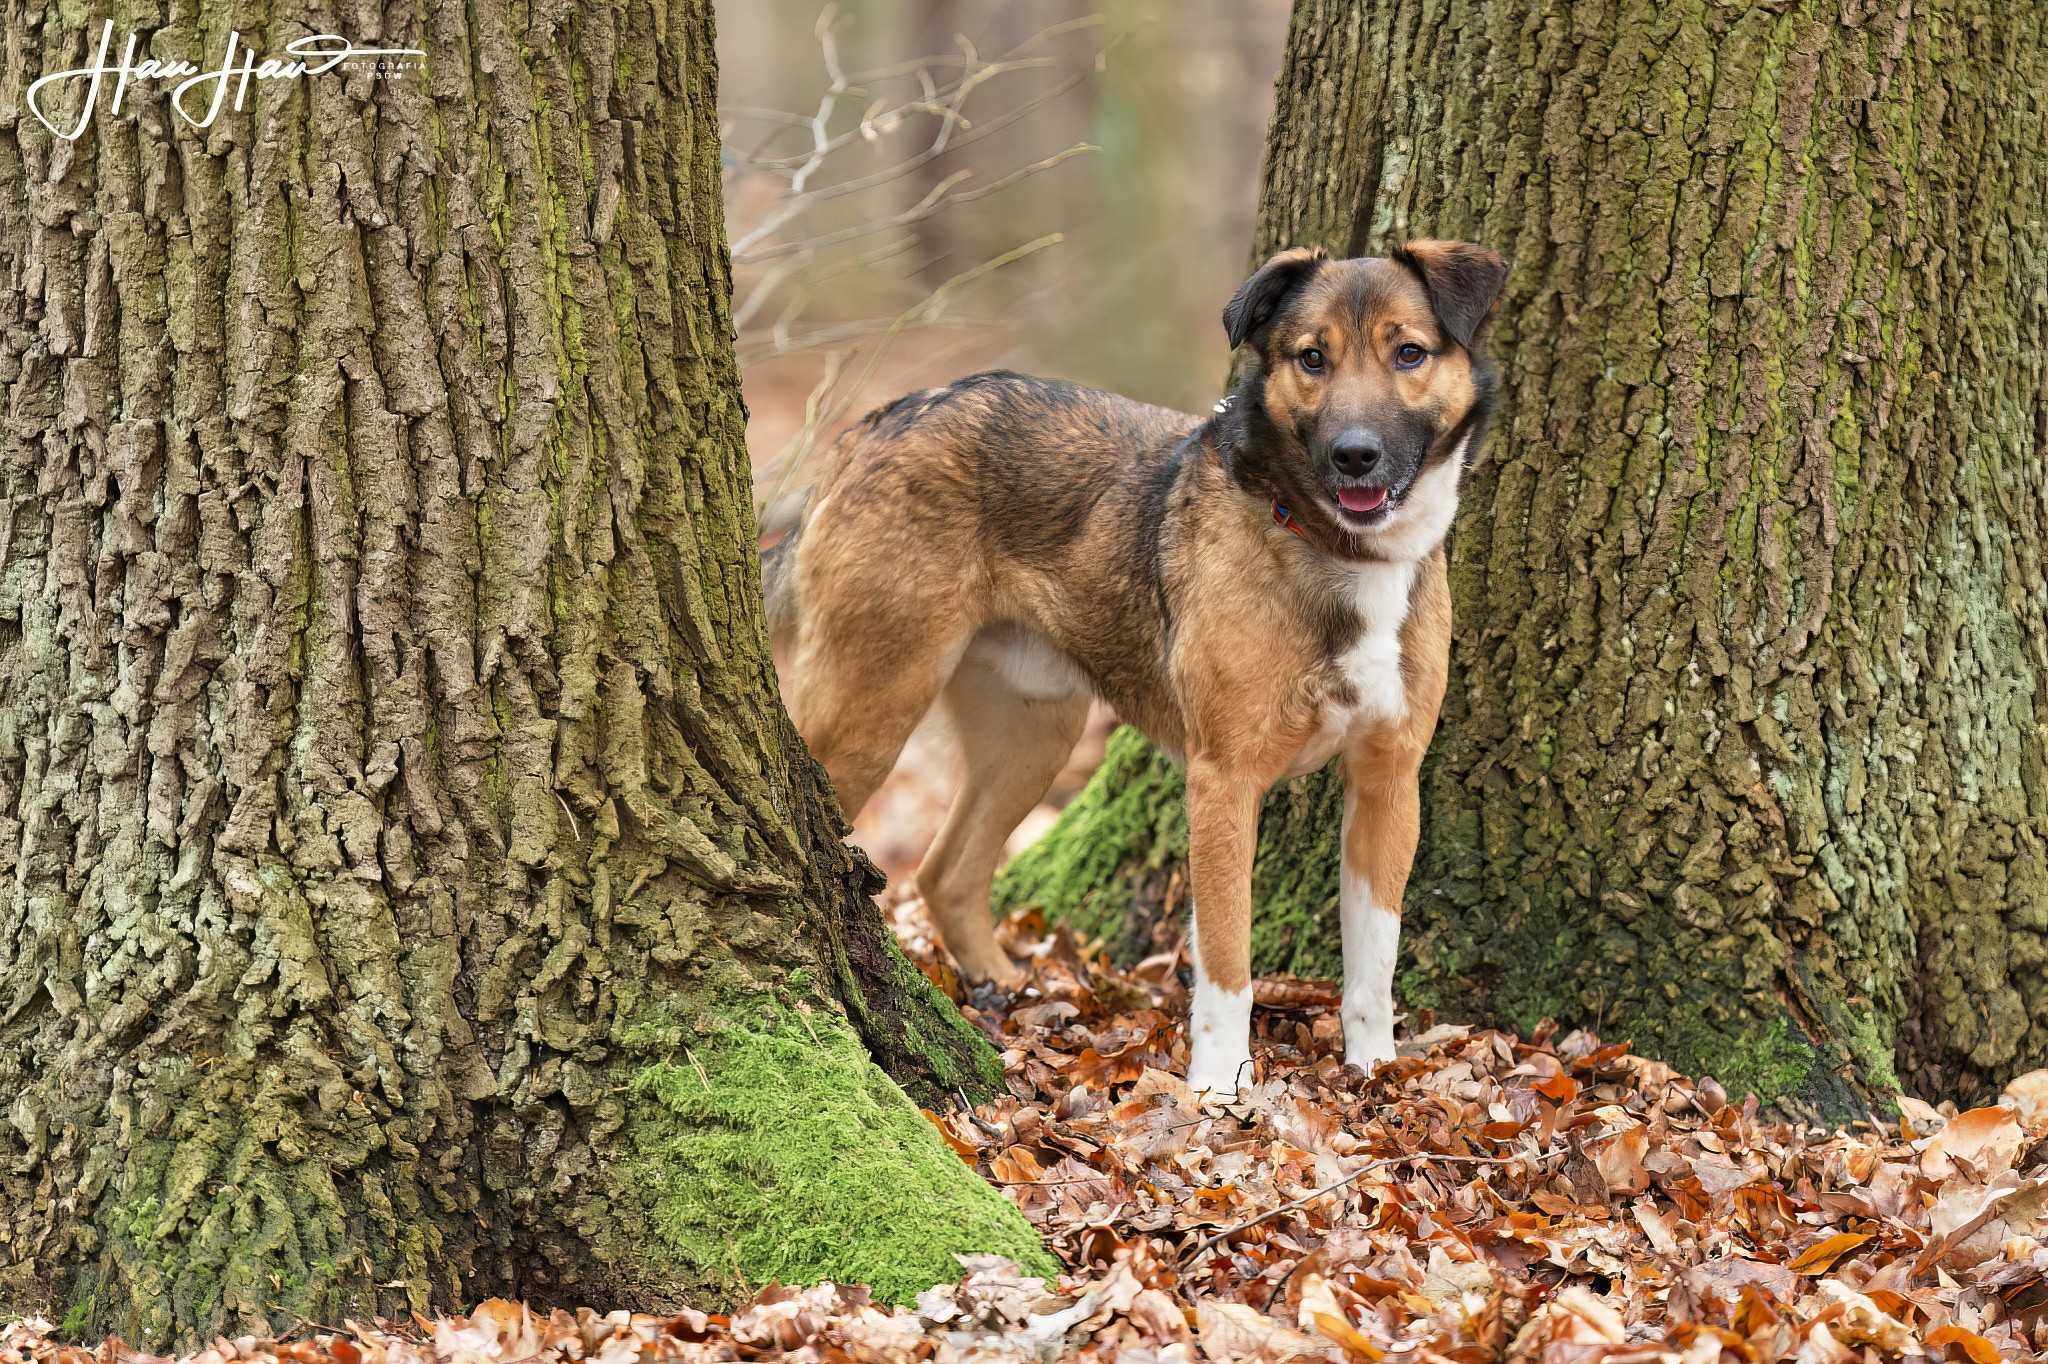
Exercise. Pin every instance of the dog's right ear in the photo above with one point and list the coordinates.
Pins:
(1257, 300)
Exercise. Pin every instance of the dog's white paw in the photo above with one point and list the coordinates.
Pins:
(1215, 1074)
(1366, 1047)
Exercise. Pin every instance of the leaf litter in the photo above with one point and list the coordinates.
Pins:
(1549, 1200)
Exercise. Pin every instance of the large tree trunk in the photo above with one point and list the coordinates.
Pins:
(1744, 750)
(414, 889)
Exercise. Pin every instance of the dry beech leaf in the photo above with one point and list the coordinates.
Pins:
(1321, 1313)
(1619, 1160)
(1317, 1299)
(1017, 1165)
(1988, 1138)
(1861, 1321)
(1345, 1334)
(1918, 1118)
(1570, 1326)
(1658, 1227)
(1292, 992)
(1821, 1347)
(2028, 1098)
(1974, 1347)
(1230, 1332)
(1820, 1257)
(965, 1149)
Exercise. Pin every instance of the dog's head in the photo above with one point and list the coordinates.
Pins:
(1367, 387)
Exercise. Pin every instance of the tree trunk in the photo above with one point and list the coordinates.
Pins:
(1743, 756)
(414, 888)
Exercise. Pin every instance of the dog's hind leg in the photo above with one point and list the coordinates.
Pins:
(1013, 740)
(857, 694)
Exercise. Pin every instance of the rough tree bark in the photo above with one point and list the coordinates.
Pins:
(1744, 751)
(414, 889)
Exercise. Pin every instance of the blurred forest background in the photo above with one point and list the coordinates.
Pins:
(925, 188)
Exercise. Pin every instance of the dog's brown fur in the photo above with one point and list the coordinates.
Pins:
(1008, 545)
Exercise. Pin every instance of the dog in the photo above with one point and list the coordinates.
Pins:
(1259, 592)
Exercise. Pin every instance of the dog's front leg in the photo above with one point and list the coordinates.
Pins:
(1223, 832)
(1382, 818)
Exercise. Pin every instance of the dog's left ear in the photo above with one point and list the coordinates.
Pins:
(1464, 282)
(1258, 299)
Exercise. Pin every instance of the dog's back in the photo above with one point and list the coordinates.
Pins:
(995, 473)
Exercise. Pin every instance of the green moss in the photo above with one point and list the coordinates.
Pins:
(1857, 1032)
(779, 1152)
(141, 1221)
(1872, 1053)
(1770, 1063)
(1117, 844)
(1129, 821)
(935, 1031)
(77, 1320)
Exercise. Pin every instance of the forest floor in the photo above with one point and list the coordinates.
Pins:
(1550, 1199)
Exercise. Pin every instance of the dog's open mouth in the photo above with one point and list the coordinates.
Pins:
(1365, 504)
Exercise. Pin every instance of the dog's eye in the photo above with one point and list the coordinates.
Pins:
(1408, 355)
(1312, 360)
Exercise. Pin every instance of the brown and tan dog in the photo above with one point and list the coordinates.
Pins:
(1259, 593)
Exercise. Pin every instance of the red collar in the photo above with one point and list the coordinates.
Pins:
(1283, 519)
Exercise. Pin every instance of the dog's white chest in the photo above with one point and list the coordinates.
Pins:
(1370, 690)
(1372, 665)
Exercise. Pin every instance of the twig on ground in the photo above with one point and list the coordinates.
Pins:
(1357, 1175)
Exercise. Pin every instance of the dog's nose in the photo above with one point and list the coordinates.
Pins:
(1356, 452)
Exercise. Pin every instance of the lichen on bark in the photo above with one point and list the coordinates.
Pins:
(1745, 753)
(389, 743)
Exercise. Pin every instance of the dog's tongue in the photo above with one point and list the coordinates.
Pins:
(1361, 499)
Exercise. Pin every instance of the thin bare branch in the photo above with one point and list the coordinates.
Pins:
(924, 208)
(827, 414)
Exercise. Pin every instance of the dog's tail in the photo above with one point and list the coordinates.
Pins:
(778, 571)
